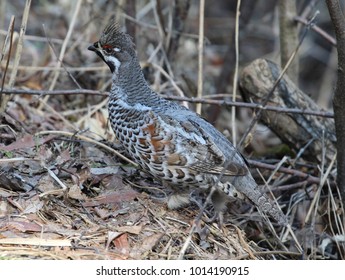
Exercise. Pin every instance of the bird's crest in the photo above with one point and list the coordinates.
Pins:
(113, 36)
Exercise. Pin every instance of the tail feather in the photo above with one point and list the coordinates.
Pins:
(247, 186)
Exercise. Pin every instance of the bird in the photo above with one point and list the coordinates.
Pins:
(171, 143)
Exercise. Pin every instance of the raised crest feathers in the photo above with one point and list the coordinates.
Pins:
(114, 36)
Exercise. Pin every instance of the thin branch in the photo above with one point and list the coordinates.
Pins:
(234, 87)
(86, 139)
(18, 55)
(62, 64)
(309, 178)
(200, 53)
(318, 30)
(63, 50)
(10, 37)
(176, 98)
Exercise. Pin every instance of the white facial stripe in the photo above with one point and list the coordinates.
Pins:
(115, 62)
(117, 49)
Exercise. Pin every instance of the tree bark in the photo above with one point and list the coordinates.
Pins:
(338, 21)
(288, 37)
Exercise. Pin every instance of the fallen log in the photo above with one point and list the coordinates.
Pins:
(314, 134)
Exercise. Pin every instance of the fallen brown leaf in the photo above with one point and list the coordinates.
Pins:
(111, 198)
(145, 246)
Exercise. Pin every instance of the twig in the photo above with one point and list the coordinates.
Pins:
(176, 25)
(62, 51)
(243, 242)
(234, 86)
(87, 139)
(62, 64)
(332, 204)
(59, 115)
(309, 8)
(291, 186)
(35, 38)
(318, 30)
(157, 11)
(156, 7)
(309, 178)
(277, 167)
(200, 53)
(154, 27)
(18, 55)
(8, 160)
(52, 174)
(8, 36)
(92, 111)
(186, 243)
(53, 68)
(318, 192)
(173, 83)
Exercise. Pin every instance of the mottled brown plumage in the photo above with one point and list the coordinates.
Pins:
(168, 141)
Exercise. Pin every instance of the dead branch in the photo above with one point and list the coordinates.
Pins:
(319, 113)
(305, 176)
(317, 29)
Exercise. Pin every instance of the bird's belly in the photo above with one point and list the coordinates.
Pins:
(157, 151)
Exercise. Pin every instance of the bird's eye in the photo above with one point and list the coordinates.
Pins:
(107, 48)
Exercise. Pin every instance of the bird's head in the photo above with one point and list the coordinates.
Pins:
(115, 47)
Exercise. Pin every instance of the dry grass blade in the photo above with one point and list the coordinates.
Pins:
(316, 199)
(37, 242)
(63, 50)
(17, 57)
(9, 36)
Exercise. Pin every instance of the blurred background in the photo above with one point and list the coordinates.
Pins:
(259, 37)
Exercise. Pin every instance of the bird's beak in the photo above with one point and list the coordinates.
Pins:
(93, 47)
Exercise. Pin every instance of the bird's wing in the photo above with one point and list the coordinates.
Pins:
(207, 157)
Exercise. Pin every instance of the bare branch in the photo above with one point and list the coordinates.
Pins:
(318, 30)
(177, 98)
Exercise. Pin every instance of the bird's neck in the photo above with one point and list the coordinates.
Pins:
(129, 84)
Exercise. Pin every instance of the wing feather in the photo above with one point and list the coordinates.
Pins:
(208, 158)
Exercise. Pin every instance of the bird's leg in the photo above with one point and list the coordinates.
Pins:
(179, 198)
